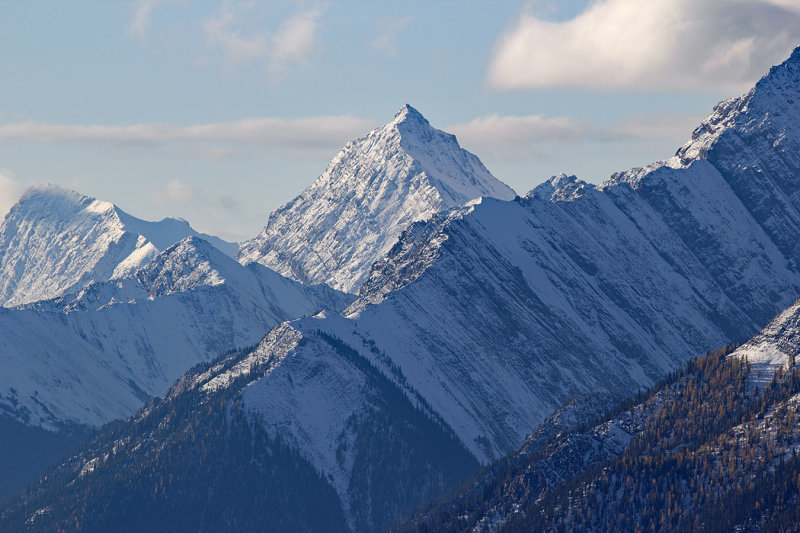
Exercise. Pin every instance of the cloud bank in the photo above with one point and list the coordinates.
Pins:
(182, 192)
(321, 133)
(505, 136)
(525, 137)
(511, 137)
(650, 45)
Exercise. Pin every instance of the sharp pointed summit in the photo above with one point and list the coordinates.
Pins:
(378, 185)
(410, 122)
(408, 113)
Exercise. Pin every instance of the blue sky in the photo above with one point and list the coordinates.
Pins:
(219, 111)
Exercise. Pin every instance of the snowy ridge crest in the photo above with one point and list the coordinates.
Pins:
(763, 122)
(559, 188)
(417, 249)
(186, 265)
(98, 354)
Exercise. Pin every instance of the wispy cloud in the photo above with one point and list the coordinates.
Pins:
(513, 136)
(222, 31)
(10, 192)
(294, 135)
(293, 41)
(653, 45)
(225, 212)
(389, 29)
(142, 14)
(183, 192)
(175, 191)
(524, 137)
(663, 126)
(505, 136)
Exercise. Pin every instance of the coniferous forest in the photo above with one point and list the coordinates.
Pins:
(709, 451)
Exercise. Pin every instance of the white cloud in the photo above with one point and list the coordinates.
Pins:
(182, 192)
(525, 137)
(286, 134)
(221, 31)
(226, 212)
(389, 29)
(233, 32)
(664, 126)
(294, 40)
(143, 14)
(10, 192)
(176, 191)
(209, 153)
(513, 136)
(655, 45)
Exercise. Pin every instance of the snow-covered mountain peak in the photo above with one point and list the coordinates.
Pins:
(100, 207)
(560, 187)
(409, 116)
(378, 185)
(457, 174)
(168, 231)
(186, 265)
(749, 147)
(770, 109)
(55, 203)
(411, 125)
(55, 241)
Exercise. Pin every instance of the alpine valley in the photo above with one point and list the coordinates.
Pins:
(432, 329)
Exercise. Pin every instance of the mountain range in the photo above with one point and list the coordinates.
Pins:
(473, 315)
(87, 357)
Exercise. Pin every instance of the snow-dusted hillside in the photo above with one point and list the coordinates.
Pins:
(352, 215)
(774, 346)
(55, 241)
(100, 353)
(529, 303)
